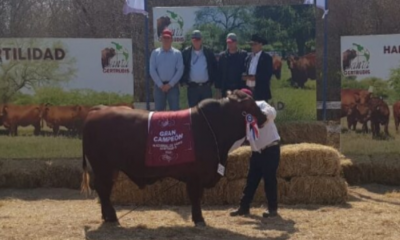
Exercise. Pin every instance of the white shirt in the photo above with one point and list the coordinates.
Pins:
(267, 134)
(254, 63)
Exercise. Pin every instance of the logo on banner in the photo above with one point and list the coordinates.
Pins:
(115, 59)
(172, 21)
(355, 61)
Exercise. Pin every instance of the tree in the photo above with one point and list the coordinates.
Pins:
(16, 74)
(394, 80)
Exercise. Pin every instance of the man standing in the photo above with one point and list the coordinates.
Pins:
(264, 164)
(166, 69)
(231, 66)
(259, 70)
(200, 70)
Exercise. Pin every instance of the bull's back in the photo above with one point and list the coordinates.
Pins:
(22, 115)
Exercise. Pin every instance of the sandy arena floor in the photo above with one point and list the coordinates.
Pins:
(373, 212)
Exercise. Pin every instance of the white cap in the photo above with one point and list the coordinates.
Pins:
(371, 89)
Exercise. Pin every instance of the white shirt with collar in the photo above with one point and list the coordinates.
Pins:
(267, 134)
(254, 63)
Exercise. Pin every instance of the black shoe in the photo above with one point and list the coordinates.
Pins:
(240, 212)
(270, 214)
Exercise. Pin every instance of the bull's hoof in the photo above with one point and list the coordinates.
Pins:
(200, 224)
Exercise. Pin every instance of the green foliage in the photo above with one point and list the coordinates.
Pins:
(15, 75)
(287, 28)
(394, 81)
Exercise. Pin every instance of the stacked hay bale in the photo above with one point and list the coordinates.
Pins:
(308, 173)
(363, 169)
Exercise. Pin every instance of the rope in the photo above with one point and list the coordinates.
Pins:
(212, 131)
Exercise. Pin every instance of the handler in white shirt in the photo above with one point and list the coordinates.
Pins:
(264, 164)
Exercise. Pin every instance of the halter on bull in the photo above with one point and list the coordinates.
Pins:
(115, 139)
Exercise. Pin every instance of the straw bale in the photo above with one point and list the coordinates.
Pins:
(317, 190)
(308, 132)
(234, 191)
(32, 173)
(238, 163)
(308, 160)
(364, 169)
(164, 192)
(217, 194)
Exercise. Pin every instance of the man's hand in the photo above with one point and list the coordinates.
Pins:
(166, 88)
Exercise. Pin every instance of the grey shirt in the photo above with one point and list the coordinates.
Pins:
(166, 66)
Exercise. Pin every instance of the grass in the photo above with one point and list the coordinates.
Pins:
(363, 144)
(64, 214)
(299, 104)
(39, 147)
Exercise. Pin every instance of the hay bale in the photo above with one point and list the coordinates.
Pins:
(238, 163)
(364, 169)
(310, 132)
(31, 173)
(234, 191)
(217, 194)
(317, 190)
(164, 192)
(308, 160)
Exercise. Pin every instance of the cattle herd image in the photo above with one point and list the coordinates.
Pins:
(292, 47)
(370, 96)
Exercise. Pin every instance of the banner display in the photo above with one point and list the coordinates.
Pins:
(370, 94)
(293, 85)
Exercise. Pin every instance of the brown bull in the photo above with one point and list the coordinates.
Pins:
(350, 98)
(277, 66)
(348, 56)
(14, 116)
(62, 116)
(114, 139)
(396, 115)
(380, 114)
(302, 69)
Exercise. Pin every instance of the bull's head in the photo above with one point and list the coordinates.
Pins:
(243, 104)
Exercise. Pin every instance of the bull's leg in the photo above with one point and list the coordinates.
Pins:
(397, 122)
(56, 129)
(103, 184)
(387, 129)
(195, 192)
(36, 132)
(13, 130)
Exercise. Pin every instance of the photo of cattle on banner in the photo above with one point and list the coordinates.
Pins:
(369, 97)
(45, 119)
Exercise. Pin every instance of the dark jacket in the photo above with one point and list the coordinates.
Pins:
(262, 90)
(235, 69)
(211, 64)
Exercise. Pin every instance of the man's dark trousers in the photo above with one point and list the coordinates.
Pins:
(196, 93)
(263, 165)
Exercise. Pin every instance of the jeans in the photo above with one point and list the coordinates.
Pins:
(197, 94)
(161, 98)
(263, 165)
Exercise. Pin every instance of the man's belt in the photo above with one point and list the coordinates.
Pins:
(194, 84)
(165, 82)
(274, 143)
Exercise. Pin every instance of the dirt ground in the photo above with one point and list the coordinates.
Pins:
(372, 212)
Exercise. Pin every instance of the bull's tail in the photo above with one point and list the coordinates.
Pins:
(85, 187)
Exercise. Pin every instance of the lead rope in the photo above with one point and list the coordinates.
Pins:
(212, 131)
